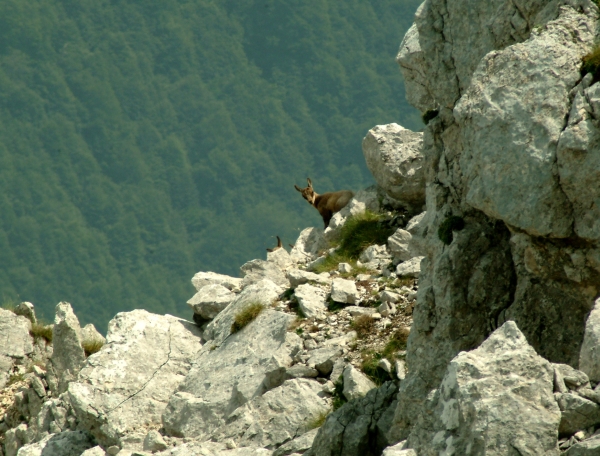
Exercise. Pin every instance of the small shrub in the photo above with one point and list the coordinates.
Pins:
(361, 231)
(39, 330)
(429, 115)
(338, 394)
(317, 421)
(369, 366)
(591, 63)
(364, 325)
(287, 294)
(92, 346)
(15, 379)
(452, 223)
(396, 343)
(246, 315)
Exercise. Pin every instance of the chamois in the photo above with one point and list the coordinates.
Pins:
(279, 245)
(328, 203)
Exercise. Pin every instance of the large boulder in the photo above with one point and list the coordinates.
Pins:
(68, 355)
(492, 400)
(123, 389)
(201, 279)
(311, 300)
(68, 443)
(256, 270)
(393, 155)
(15, 342)
(308, 245)
(229, 372)
(210, 300)
(589, 357)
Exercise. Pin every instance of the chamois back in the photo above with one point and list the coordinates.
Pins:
(328, 203)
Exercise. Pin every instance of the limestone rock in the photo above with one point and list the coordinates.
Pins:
(410, 268)
(212, 449)
(210, 300)
(300, 277)
(589, 447)
(154, 442)
(281, 258)
(15, 342)
(68, 443)
(26, 310)
(358, 428)
(399, 450)
(123, 389)
(399, 245)
(479, 406)
(95, 451)
(344, 291)
(90, 333)
(256, 270)
(264, 292)
(277, 416)
(356, 384)
(323, 359)
(308, 245)
(298, 445)
(227, 375)
(589, 358)
(577, 413)
(393, 155)
(67, 355)
(201, 279)
(311, 300)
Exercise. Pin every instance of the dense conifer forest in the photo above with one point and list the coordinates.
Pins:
(141, 142)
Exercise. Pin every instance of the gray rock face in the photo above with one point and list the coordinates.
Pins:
(256, 270)
(281, 258)
(244, 366)
(589, 447)
(300, 277)
(263, 292)
(308, 245)
(277, 416)
(480, 409)
(344, 291)
(357, 428)
(298, 445)
(517, 182)
(577, 413)
(90, 333)
(356, 384)
(312, 300)
(123, 390)
(15, 342)
(68, 443)
(201, 279)
(210, 300)
(589, 358)
(67, 355)
(399, 245)
(26, 310)
(393, 155)
(323, 359)
(154, 442)
(409, 268)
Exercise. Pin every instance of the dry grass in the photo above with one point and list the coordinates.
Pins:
(40, 330)
(92, 346)
(364, 325)
(246, 315)
(317, 421)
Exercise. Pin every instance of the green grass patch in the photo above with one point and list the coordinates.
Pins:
(317, 421)
(396, 343)
(452, 223)
(369, 365)
(591, 63)
(41, 331)
(246, 315)
(15, 379)
(92, 346)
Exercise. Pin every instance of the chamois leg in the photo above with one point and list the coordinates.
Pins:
(326, 217)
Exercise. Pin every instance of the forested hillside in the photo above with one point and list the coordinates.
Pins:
(141, 142)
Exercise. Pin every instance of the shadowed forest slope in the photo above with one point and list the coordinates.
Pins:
(141, 142)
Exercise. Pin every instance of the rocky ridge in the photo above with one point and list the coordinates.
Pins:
(472, 329)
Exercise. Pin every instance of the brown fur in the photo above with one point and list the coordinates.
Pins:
(279, 245)
(328, 203)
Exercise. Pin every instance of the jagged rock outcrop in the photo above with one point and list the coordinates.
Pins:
(15, 342)
(122, 391)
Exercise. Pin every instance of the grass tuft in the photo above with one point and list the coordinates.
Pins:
(41, 331)
(246, 315)
(396, 343)
(338, 394)
(317, 421)
(591, 62)
(92, 346)
(15, 379)
(452, 223)
(364, 325)
(369, 366)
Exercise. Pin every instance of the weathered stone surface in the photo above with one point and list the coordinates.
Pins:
(227, 375)
(344, 291)
(298, 445)
(26, 310)
(256, 270)
(398, 450)
(212, 449)
(154, 442)
(68, 443)
(356, 310)
(311, 300)
(357, 428)
(95, 451)
(399, 245)
(210, 300)
(281, 258)
(356, 384)
(393, 155)
(67, 355)
(15, 342)
(508, 177)
(301, 371)
(201, 279)
(410, 268)
(123, 389)
(300, 277)
(90, 333)
(308, 245)
(277, 416)
(492, 400)
(264, 292)
(577, 413)
(323, 359)
(589, 447)
(589, 357)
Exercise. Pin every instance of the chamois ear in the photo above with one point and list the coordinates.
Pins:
(309, 182)
(297, 188)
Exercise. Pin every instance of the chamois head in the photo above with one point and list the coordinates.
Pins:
(308, 193)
